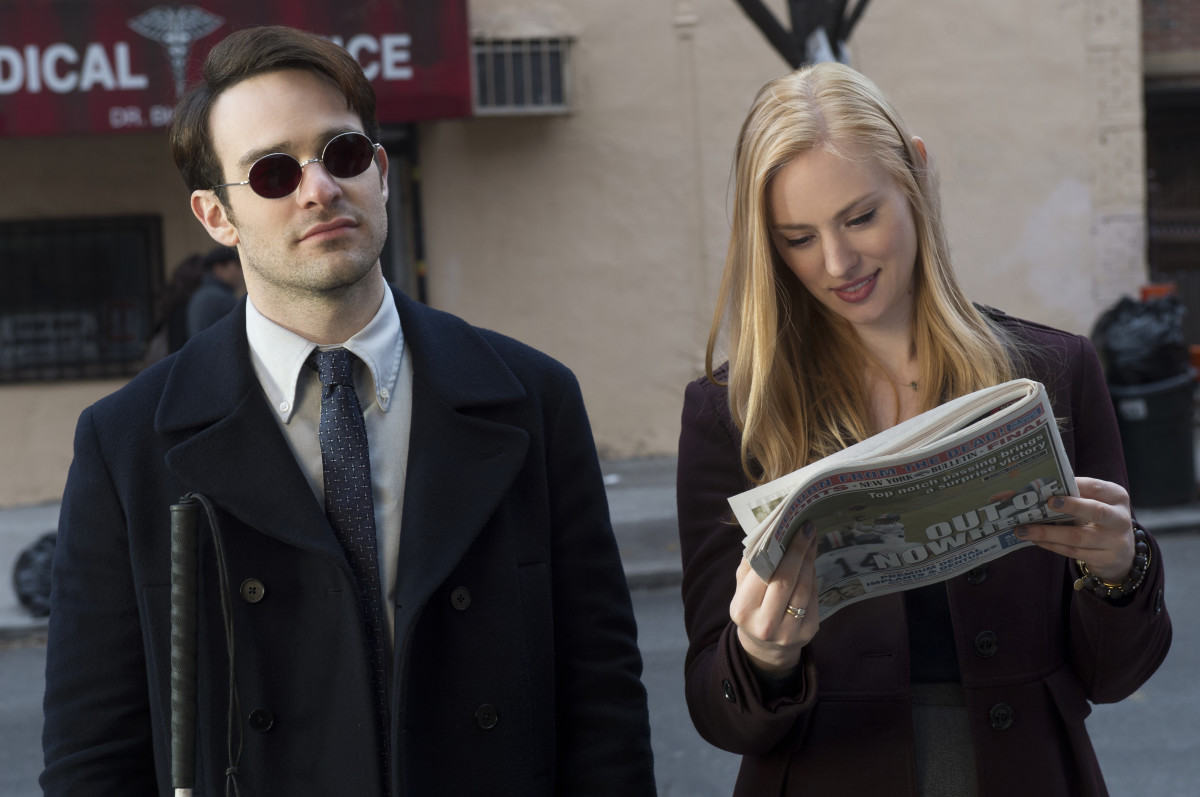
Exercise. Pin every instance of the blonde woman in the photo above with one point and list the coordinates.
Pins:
(842, 316)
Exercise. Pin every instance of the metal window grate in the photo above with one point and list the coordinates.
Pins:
(77, 297)
(521, 76)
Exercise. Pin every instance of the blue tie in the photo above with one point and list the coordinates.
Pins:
(346, 462)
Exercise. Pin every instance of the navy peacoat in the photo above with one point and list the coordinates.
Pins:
(515, 670)
(1032, 651)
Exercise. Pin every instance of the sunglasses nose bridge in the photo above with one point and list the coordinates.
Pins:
(328, 176)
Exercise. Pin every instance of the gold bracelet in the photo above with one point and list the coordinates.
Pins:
(1104, 589)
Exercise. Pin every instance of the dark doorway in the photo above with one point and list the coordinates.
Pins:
(1173, 194)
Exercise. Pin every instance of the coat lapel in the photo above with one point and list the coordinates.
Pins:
(231, 449)
(460, 463)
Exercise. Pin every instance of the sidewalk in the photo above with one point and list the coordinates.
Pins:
(641, 494)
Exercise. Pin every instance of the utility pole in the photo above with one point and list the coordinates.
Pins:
(820, 28)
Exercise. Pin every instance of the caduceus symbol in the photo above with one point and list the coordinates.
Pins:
(175, 28)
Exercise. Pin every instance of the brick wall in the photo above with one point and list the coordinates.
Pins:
(1170, 26)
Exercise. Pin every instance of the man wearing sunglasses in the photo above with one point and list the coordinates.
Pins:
(479, 638)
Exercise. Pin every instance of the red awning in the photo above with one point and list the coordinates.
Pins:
(112, 66)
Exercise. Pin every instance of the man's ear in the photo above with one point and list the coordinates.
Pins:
(382, 160)
(215, 218)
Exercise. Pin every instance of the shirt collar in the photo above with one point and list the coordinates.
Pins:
(278, 354)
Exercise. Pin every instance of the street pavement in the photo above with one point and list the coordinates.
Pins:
(1146, 743)
(641, 494)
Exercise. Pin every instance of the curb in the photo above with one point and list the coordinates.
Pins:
(642, 509)
(1171, 518)
(30, 630)
(653, 577)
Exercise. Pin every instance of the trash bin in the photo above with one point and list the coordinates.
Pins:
(1156, 420)
(1142, 342)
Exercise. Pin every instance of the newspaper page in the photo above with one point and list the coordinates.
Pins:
(752, 507)
(913, 518)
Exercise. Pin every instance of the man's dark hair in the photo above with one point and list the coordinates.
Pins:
(246, 54)
(221, 254)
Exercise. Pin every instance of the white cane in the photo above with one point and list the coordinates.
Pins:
(184, 521)
(184, 592)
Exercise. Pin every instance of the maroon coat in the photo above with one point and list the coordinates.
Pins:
(848, 729)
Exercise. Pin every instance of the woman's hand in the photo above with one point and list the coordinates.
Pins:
(1104, 541)
(775, 620)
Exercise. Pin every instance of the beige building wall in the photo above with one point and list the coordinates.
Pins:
(76, 177)
(599, 236)
(1033, 114)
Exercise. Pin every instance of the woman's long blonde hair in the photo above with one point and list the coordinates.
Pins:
(795, 375)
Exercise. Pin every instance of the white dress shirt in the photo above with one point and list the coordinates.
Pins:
(383, 382)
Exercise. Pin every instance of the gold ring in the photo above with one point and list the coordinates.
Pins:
(795, 611)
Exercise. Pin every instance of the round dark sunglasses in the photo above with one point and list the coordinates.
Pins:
(278, 174)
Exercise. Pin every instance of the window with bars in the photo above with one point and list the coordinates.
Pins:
(77, 297)
(522, 76)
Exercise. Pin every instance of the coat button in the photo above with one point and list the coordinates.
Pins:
(977, 575)
(727, 687)
(1158, 602)
(252, 590)
(1001, 716)
(486, 717)
(986, 645)
(460, 598)
(261, 720)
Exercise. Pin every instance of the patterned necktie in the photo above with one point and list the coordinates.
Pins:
(351, 510)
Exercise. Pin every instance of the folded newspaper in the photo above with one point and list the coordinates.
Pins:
(919, 503)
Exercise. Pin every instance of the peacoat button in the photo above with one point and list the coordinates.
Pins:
(977, 575)
(460, 598)
(261, 720)
(486, 717)
(986, 644)
(727, 687)
(1001, 716)
(252, 590)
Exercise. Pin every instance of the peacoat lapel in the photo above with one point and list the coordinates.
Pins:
(230, 447)
(460, 462)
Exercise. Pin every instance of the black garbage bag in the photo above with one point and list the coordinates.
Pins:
(1142, 342)
(31, 575)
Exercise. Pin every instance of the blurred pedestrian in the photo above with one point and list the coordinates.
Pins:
(220, 288)
(171, 310)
